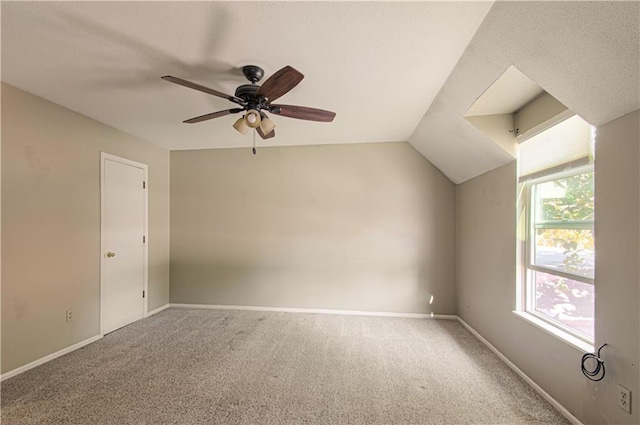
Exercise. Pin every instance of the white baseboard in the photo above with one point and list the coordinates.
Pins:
(543, 393)
(49, 357)
(157, 310)
(319, 311)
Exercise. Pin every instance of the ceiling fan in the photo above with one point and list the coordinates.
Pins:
(254, 100)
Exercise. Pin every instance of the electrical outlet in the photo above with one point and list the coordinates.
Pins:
(69, 316)
(624, 398)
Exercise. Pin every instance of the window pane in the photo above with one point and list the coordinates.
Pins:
(567, 250)
(565, 199)
(563, 216)
(567, 301)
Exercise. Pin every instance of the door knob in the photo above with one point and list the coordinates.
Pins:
(111, 254)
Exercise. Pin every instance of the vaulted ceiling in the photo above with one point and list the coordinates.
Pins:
(377, 65)
(585, 54)
(391, 71)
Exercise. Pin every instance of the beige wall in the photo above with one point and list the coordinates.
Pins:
(617, 270)
(51, 224)
(354, 227)
(487, 274)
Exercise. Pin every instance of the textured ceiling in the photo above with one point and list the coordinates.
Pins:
(585, 54)
(391, 71)
(378, 65)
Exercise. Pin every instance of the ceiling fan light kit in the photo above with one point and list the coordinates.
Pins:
(256, 100)
(241, 126)
(266, 125)
(252, 118)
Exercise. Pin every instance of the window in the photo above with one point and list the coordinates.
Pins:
(560, 251)
(557, 250)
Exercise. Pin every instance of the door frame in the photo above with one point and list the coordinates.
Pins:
(104, 156)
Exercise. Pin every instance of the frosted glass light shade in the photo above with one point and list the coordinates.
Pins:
(252, 118)
(241, 126)
(266, 125)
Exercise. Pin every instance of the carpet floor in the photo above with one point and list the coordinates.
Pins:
(196, 366)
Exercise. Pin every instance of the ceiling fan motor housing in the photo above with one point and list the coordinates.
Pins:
(247, 92)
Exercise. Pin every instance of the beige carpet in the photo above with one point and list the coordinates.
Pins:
(192, 366)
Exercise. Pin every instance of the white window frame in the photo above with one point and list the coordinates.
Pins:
(528, 297)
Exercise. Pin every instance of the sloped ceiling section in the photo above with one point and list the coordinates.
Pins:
(506, 95)
(493, 113)
(378, 65)
(584, 54)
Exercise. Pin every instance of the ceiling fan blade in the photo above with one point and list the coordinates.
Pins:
(204, 89)
(280, 83)
(212, 115)
(303, 113)
(271, 134)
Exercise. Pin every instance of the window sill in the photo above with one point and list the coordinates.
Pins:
(573, 341)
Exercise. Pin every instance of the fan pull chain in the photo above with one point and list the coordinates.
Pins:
(254, 142)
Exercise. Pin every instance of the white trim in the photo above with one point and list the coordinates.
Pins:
(319, 311)
(563, 170)
(538, 388)
(526, 310)
(157, 310)
(48, 358)
(66, 350)
(573, 341)
(107, 156)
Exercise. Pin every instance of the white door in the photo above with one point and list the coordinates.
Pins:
(123, 229)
